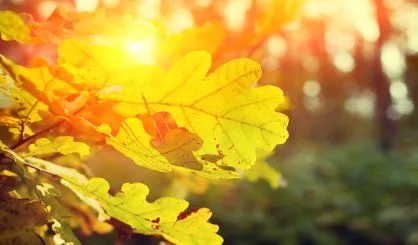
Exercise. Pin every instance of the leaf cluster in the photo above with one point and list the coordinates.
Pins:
(189, 118)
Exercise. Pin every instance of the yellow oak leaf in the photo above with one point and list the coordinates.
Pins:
(12, 27)
(223, 109)
(63, 144)
(165, 216)
(27, 106)
(102, 66)
(46, 84)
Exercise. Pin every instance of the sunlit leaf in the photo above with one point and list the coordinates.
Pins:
(68, 212)
(165, 216)
(63, 209)
(207, 37)
(12, 27)
(63, 144)
(222, 109)
(27, 110)
(25, 104)
(47, 84)
(160, 217)
(102, 66)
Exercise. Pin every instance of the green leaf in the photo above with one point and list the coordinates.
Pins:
(63, 144)
(165, 216)
(63, 232)
(12, 27)
(222, 109)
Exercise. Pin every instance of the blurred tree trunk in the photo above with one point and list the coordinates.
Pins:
(411, 78)
(386, 125)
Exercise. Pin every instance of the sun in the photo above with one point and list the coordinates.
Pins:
(144, 50)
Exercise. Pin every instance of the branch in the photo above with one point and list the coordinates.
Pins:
(34, 136)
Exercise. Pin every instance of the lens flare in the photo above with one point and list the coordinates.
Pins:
(145, 50)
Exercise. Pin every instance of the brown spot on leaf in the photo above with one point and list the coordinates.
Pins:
(157, 220)
(187, 213)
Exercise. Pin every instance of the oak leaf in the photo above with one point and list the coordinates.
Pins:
(13, 27)
(165, 216)
(40, 82)
(222, 108)
(62, 144)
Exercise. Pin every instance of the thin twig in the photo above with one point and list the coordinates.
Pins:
(25, 120)
(45, 130)
(55, 176)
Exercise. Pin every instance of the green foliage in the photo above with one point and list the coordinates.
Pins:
(353, 194)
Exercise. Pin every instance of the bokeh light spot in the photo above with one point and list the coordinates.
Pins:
(398, 90)
(344, 62)
(311, 88)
